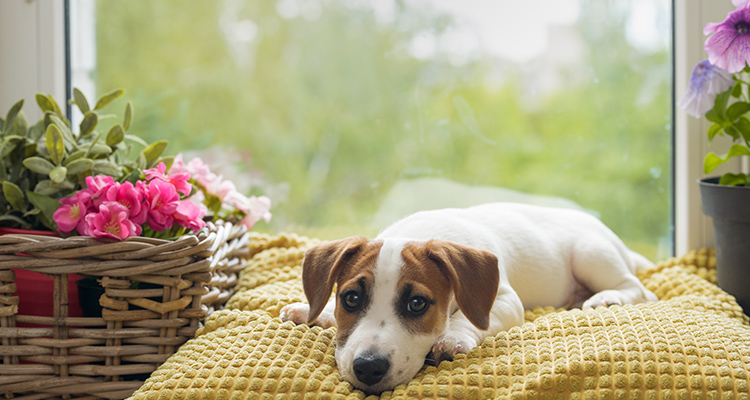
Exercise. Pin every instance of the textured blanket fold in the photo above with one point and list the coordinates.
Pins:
(694, 343)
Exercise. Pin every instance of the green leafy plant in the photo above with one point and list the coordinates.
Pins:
(49, 160)
(731, 120)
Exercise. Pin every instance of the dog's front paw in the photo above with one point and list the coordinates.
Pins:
(299, 313)
(296, 312)
(447, 346)
(604, 298)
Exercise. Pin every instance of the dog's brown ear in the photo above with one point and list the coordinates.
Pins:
(321, 267)
(473, 275)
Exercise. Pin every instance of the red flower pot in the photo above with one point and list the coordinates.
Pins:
(35, 290)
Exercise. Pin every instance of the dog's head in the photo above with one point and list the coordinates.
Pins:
(392, 301)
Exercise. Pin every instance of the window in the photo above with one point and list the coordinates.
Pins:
(351, 114)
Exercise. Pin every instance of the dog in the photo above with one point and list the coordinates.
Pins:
(437, 283)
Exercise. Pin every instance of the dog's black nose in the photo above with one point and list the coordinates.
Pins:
(370, 369)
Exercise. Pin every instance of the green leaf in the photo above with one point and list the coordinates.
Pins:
(107, 168)
(168, 161)
(115, 135)
(732, 131)
(45, 203)
(58, 174)
(67, 134)
(128, 118)
(11, 116)
(213, 203)
(713, 116)
(8, 144)
(743, 126)
(98, 149)
(737, 90)
(102, 117)
(81, 165)
(36, 131)
(81, 101)
(48, 104)
(15, 219)
(133, 176)
(107, 98)
(45, 187)
(34, 211)
(64, 185)
(14, 195)
(20, 124)
(720, 104)
(713, 130)
(734, 180)
(141, 161)
(73, 156)
(737, 109)
(90, 119)
(713, 160)
(39, 165)
(55, 145)
(136, 139)
(152, 153)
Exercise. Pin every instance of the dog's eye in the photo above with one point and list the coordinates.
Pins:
(417, 304)
(351, 300)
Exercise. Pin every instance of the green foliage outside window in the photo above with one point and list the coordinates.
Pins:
(337, 110)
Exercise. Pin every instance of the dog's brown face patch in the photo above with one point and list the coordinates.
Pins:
(424, 293)
(354, 290)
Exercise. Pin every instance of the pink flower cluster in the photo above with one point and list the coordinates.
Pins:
(250, 209)
(119, 210)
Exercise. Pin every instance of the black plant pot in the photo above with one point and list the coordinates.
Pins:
(729, 206)
(89, 292)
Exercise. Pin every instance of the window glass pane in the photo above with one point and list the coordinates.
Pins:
(351, 114)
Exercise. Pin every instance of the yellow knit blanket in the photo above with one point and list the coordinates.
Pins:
(694, 343)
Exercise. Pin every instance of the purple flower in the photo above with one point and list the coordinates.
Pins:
(741, 3)
(706, 82)
(729, 46)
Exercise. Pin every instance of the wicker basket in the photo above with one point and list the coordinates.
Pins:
(111, 355)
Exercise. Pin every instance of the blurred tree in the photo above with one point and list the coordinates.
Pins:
(332, 103)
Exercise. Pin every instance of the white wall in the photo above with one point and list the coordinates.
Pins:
(32, 53)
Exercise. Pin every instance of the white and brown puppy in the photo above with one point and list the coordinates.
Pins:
(440, 282)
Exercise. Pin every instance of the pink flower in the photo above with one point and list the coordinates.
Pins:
(131, 197)
(729, 45)
(180, 182)
(255, 209)
(160, 172)
(72, 212)
(741, 3)
(111, 221)
(198, 170)
(219, 187)
(162, 200)
(176, 177)
(190, 216)
(97, 184)
(198, 198)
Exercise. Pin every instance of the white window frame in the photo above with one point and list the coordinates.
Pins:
(33, 59)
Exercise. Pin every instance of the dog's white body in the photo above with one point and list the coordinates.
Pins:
(469, 272)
